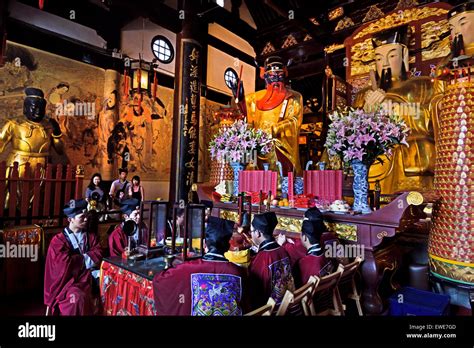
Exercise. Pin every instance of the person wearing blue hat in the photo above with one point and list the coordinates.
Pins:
(270, 270)
(72, 256)
(210, 286)
(118, 239)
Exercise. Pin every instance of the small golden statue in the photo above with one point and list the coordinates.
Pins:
(31, 139)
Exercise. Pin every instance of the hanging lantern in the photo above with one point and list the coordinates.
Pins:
(139, 72)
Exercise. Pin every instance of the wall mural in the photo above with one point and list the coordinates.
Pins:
(141, 138)
(94, 131)
(209, 127)
(72, 89)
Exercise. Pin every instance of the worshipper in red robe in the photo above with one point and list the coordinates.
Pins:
(270, 270)
(72, 255)
(314, 263)
(118, 239)
(211, 286)
(309, 245)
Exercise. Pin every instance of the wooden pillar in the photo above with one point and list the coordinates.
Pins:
(3, 30)
(188, 73)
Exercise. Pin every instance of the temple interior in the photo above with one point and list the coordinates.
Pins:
(229, 157)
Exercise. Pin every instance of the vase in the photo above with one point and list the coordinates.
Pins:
(360, 187)
(237, 167)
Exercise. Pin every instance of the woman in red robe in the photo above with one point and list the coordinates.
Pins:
(211, 286)
(270, 270)
(72, 254)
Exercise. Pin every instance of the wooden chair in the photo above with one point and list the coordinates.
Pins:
(265, 310)
(326, 295)
(347, 284)
(300, 299)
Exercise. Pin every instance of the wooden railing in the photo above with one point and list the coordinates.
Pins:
(39, 196)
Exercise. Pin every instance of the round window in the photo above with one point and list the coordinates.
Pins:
(162, 49)
(230, 77)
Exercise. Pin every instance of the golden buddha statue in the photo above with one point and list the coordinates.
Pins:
(31, 139)
(278, 111)
(409, 168)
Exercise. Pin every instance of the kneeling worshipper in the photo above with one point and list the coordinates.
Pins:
(210, 286)
(69, 270)
(314, 263)
(295, 248)
(270, 270)
(118, 239)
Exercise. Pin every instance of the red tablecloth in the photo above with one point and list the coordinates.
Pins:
(124, 292)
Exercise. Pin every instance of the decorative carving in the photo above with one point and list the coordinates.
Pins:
(229, 215)
(362, 57)
(399, 18)
(269, 48)
(382, 234)
(334, 47)
(289, 224)
(403, 4)
(79, 170)
(23, 235)
(344, 23)
(373, 13)
(462, 272)
(308, 37)
(345, 231)
(314, 21)
(415, 198)
(430, 37)
(289, 41)
(336, 13)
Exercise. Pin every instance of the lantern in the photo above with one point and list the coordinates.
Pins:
(139, 72)
(194, 222)
(151, 237)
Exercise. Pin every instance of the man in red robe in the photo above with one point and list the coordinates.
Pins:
(307, 256)
(211, 286)
(118, 239)
(72, 255)
(270, 270)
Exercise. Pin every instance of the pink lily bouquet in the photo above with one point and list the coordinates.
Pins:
(358, 135)
(240, 142)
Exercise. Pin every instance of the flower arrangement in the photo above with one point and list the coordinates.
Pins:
(238, 142)
(358, 135)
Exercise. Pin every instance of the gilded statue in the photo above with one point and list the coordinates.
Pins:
(32, 138)
(412, 167)
(278, 110)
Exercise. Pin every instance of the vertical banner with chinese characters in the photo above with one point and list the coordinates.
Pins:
(189, 118)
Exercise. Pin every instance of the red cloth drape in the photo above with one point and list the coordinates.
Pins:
(125, 293)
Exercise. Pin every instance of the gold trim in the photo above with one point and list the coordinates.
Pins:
(399, 18)
(343, 230)
(414, 198)
(453, 271)
(458, 263)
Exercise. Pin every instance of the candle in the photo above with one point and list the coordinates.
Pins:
(290, 186)
(155, 84)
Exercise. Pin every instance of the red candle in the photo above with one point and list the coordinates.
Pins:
(274, 181)
(155, 84)
(290, 186)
